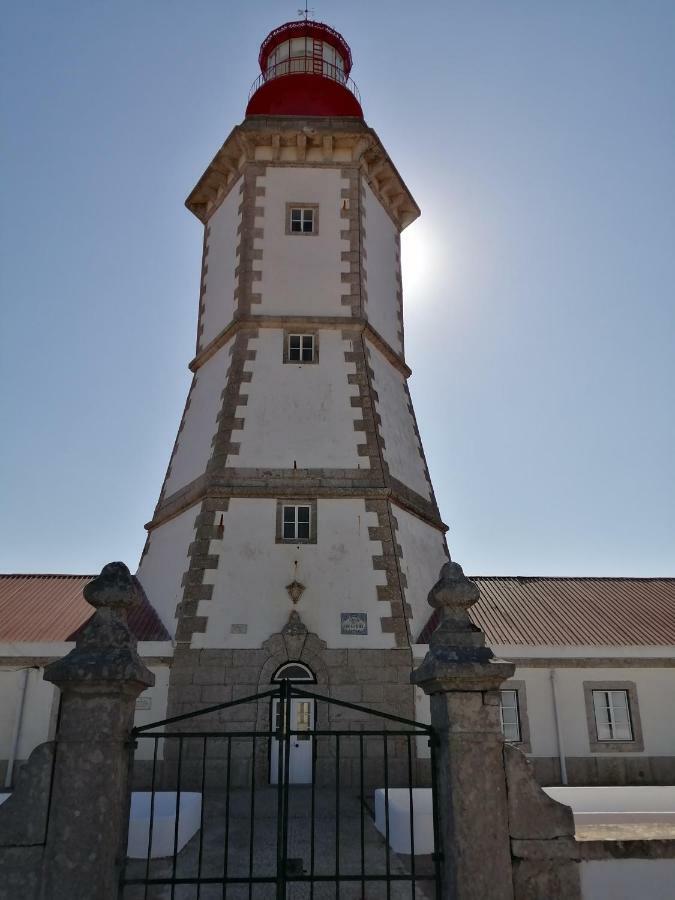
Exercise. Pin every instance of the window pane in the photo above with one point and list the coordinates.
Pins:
(303, 514)
(509, 715)
(289, 514)
(296, 214)
(294, 347)
(303, 531)
(308, 223)
(307, 348)
(512, 733)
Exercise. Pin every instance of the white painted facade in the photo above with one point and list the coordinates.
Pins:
(299, 414)
(402, 450)
(219, 279)
(301, 275)
(193, 447)
(40, 698)
(655, 687)
(253, 571)
(382, 270)
(314, 418)
(424, 553)
(161, 569)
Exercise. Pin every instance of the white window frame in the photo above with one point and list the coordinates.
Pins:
(303, 339)
(610, 706)
(296, 522)
(606, 736)
(516, 706)
(309, 212)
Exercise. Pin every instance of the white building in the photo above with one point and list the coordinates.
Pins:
(569, 637)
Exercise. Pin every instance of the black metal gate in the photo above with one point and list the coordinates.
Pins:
(213, 825)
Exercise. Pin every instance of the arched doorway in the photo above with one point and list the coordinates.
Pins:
(302, 713)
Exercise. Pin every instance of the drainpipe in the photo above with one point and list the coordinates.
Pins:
(558, 729)
(16, 734)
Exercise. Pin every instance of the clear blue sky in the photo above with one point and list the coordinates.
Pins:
(538, 137)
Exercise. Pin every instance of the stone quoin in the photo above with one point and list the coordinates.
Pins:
(297, 481)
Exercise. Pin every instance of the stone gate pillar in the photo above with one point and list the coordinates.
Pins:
(99, 682)
(462, 678)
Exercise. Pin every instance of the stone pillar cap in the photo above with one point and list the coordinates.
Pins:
(458, 659)
(105, 648)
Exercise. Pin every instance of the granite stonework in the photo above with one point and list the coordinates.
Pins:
(23, 826)
(490, 805)
(607, 769)
(199, 679)
(81, 782)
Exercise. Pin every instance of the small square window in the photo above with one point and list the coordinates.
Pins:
(302, 218)
(296, 521)
(510, 716)
(612, 715)
(301, 348)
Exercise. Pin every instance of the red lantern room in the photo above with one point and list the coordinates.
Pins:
(304, 72)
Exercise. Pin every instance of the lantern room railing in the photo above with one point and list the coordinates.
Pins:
(305, 65)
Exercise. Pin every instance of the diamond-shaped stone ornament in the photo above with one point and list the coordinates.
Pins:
(295, 590)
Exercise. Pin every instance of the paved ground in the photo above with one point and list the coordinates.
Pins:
(262, 864)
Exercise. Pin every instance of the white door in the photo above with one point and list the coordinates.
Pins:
(300, 757)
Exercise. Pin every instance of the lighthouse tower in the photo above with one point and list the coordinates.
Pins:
(297, 521)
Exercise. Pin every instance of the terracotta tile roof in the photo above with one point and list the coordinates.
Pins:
(572, 611)
(43, 608)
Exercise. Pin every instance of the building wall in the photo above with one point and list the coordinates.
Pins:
(423, 554)
(382, 265)
(164, 563)
(37, 713)
(249, 584)
(39, 719)
(402, 449)
(220, 261)
(655, 686)
(200, 421)
(300, 414)
(301, 275)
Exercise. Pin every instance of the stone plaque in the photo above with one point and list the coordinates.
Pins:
(144, 703)
(238, 629)
(354, 623)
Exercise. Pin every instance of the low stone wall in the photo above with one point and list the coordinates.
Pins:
(607, 769)
(624, 870)
(23, 827)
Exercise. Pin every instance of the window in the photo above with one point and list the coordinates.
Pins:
(612, 716)
(513, 715)
(302, 218)
(296, 523)
(510, 716)
(294, 671)
(300, 347)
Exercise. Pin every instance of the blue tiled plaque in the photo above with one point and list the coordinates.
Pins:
(354, 623)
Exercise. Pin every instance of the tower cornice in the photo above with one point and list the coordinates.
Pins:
(357, 325)
(292, 141)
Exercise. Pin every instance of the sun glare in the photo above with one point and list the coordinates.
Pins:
(419, 261)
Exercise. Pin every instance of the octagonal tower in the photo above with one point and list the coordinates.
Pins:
(297, 490)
